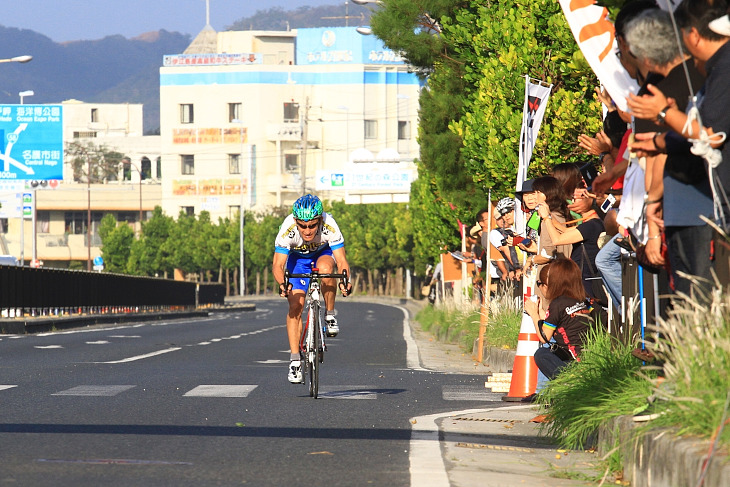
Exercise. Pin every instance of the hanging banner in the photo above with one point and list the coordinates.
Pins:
(536, 99)
(595, 35)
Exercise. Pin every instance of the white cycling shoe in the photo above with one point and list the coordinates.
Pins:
(331, 326)
(295, 372)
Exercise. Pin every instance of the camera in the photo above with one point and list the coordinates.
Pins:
(507, 233)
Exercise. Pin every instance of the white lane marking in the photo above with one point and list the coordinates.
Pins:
(271, 361)
(83, 330)
(427, 466)
(220, 391)
(160, 352)
(2, 388)
(412, 358)
(469, 393)
(140, 357)
(46, 347)
(105, 391)
(125, 336)
(99, 342)
(348, 392)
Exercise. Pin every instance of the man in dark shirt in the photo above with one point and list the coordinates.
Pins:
(679, 192)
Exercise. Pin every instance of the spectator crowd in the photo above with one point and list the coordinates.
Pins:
(652, 181)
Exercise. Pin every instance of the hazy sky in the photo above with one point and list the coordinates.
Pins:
(72, 20)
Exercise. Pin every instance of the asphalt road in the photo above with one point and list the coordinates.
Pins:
(205, 401)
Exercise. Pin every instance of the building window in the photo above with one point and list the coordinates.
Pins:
(126, 170)
(127, 216)
(186, 113)
(188, 164)
(146, 168)
(76, 224)
(291, 112)
(159, 167)
(3, 225)
(94, 115)
(234, 111)
(233, 211)
(404, 130)
(188, 210)
(233, 164)
(84, 135)
(371, 129)
(291, 163)
(43, 221)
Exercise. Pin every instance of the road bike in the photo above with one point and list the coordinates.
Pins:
(312, 344)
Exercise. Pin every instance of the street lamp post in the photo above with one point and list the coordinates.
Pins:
(34, 246)
(241, 216)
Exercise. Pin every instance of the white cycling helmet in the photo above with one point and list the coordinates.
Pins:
(504, 206)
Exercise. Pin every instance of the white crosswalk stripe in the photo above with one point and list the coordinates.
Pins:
(221, 391)
(91, 390)
(469, 393)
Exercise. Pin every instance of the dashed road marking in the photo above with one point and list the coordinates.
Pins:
(221, 391)
(47, 347)
(2, 388)
(140, 357)
(105, 391)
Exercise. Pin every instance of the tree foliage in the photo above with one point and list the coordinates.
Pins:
(500, 44)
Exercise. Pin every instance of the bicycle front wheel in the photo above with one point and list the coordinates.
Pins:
(313, 355)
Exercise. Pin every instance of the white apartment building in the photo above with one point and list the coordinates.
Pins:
(258, 118)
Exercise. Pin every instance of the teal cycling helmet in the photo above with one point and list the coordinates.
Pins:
(306, 208)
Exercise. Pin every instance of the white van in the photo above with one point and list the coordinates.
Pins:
(9, 260)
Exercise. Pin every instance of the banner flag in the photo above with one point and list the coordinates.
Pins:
(536, 99)
(595, 35)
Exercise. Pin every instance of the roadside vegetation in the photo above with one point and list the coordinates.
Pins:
(460, 324)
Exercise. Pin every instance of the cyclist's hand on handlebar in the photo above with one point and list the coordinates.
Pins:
(284, 290)
(346, 288)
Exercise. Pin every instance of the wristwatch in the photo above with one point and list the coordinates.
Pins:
(663, 114)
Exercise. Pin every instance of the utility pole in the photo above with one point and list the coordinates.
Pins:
(304, 143)
(347, 16)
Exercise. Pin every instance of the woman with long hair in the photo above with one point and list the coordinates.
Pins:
(567, 318)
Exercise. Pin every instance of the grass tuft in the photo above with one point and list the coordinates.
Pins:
(607, 382)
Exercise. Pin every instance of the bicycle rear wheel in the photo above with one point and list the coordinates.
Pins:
(313, 355)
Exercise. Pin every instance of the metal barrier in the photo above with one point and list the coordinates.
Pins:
(39, 292)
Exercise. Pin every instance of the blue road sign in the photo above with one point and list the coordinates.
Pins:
(31, 142)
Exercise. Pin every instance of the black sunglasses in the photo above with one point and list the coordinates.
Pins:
(313, 225)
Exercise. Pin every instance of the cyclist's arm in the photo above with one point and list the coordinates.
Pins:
(279, 266)
(342, 265)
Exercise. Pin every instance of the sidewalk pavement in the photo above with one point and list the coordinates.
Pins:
(493, 446)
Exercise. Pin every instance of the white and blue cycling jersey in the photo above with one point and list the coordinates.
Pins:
(290, 242)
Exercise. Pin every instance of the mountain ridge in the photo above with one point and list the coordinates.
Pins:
(115, 69)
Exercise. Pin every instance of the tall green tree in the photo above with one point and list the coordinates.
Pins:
(149, 254)
(116, 243)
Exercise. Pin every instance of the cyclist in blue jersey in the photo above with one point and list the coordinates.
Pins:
(308, 238)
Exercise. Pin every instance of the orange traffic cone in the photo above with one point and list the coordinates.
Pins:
(524, 370)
